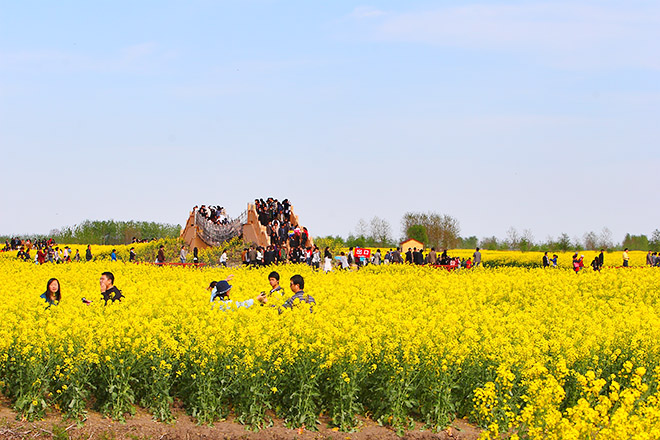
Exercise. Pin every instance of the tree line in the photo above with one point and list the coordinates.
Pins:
(109, 232)
(442, 231)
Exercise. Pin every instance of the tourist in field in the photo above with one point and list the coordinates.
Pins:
(649, 259)
(316, 258)
(160, 257)
(52, 295)
(343, 261)
(626, 258)
(601, 259)
(432, 257)
(377, 257)
(297, 284)
(221, 293)
(41, 256)
(327, 260)
(554, 260)
(76, 257)
(274, 281)
(546, 260)
(397, 258)
(477, 258)
(182, 255)
(252, 256)
(88, 253)
(578, 262)
(595, 264)
(195, 255)
(468, 263)
(223, 258)
(109, 291)
(409, 256)
(131, 255)
(113, 255)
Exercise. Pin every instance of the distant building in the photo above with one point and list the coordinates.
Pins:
(411, 243)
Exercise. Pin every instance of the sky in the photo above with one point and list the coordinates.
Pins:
(532, 115)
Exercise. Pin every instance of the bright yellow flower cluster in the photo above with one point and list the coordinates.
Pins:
(522, 352)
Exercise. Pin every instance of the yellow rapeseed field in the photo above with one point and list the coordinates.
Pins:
(522, 352)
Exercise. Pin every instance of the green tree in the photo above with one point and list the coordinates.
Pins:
(636, 242)
(418, 232)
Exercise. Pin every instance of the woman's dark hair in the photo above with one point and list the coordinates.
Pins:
(274, 275)
(57, 296)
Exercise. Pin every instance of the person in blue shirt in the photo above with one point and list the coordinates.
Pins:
(113, 255)
(52, 295)
(220, 291)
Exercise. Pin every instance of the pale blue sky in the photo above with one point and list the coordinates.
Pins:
(536, 115)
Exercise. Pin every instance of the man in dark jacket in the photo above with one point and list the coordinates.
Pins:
(108, 290)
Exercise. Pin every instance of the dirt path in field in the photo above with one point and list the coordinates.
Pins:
(143, 427)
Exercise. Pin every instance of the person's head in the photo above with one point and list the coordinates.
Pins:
(602, 250)
(212, 285)
(161, 247)
(297, 283)
(625, 250)
(274, 279)
(545, 253)
(222, 289)
(477, 249)
(114, 250)
(107, 280)
(53, 289)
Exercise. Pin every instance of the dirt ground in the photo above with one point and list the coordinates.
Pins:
(142, 427)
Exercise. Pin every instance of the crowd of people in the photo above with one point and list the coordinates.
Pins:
(214, 214)
(47, 251)
(275, 254)
(276, 217)
(15, 244)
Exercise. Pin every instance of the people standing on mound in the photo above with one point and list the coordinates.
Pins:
(53, 294)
